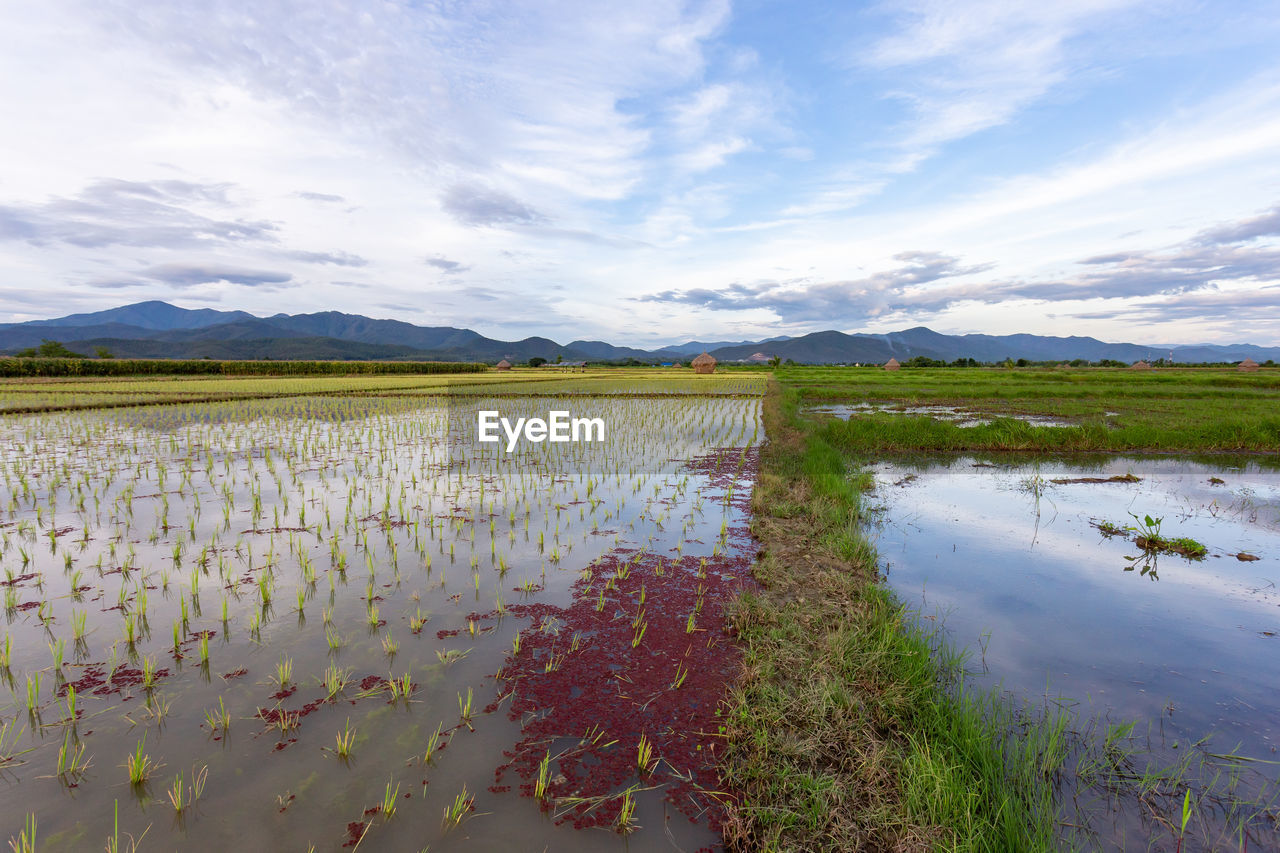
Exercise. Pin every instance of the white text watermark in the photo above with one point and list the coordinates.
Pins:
(559, 426)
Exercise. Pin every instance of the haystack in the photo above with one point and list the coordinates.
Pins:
(1139, 365)
(704, 364)
(892, 364)
(1248, 366)
(503, 365)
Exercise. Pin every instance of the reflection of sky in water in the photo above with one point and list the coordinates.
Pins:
(965, 544)
(957, 415)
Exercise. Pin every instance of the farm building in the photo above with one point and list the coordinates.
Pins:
(503, 365)
(892, 364)
(704, 364)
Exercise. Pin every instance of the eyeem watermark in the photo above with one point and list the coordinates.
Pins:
(559, 426)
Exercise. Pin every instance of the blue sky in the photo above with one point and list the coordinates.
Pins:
(650, 172)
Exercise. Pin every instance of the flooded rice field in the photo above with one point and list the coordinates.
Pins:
(1052, 575)
(958, 415)
(328, 622)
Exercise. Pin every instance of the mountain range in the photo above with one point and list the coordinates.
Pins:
(159, 330)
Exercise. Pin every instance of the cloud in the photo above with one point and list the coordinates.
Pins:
(445, 264)
(132, 213)
(190, 275)
(840, 302)
(341, 259)
(475, 205)
(1204, 273)
(323, 197)
(1265, 225)
(963, 67)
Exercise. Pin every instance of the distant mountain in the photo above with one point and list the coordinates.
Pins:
(150, 315)
(159, 330)
(695, 347)
(841, 348)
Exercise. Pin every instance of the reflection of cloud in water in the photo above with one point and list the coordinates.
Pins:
(964, 544)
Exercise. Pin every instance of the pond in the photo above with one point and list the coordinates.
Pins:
(1028, 564)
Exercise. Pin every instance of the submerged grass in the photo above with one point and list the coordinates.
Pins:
(846, 732)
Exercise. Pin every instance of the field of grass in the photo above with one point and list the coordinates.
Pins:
(1194, 409)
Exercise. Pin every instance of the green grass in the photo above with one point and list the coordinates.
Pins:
(1190, 409)
(851, 729)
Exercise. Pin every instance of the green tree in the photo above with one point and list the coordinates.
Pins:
(49, 349)
(103, 352)
(537, 361)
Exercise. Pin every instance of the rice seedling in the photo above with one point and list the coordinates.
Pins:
(626, 813)
(219, 719)
(345, 741)
(455, 812)
(464, 709)
(451, 655)
(389, 646)
(113, 840)
(389, 801)
(400, 688)
(682, 672)
(184, 796)
(33, 693)
(25, 841)
(645, 760)
(139, 764)
(334, 681)
(544, 777)
(433, 744)
(284, 673)
(71, 760)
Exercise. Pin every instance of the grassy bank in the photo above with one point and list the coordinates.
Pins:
(845, 733)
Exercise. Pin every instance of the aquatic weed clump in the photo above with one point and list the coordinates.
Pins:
(622, 689)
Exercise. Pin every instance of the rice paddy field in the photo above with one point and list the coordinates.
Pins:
(936, 609)
(316, 613)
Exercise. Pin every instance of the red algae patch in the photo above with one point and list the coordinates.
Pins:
(623, 689)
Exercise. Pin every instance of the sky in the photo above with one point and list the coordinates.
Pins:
(652, 172)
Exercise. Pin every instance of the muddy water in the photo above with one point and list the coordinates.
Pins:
(353, 505)
(1016, 569)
